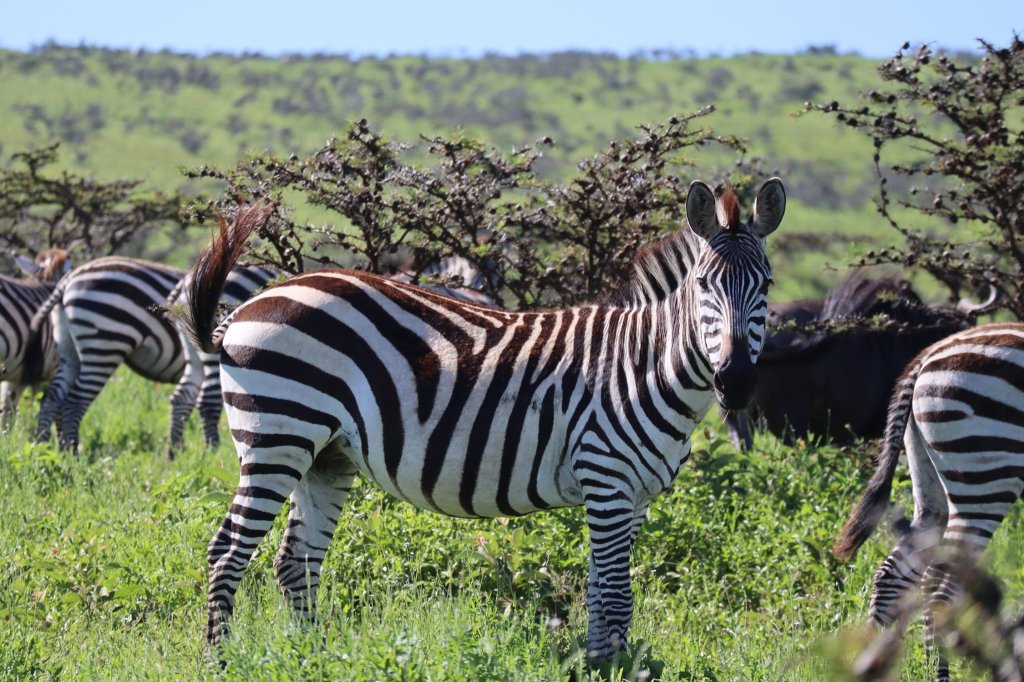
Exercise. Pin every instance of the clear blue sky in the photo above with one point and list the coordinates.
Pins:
(874, 28)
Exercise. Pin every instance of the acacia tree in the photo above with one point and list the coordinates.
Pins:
(40, 208)
(963, 122)
(539, 242)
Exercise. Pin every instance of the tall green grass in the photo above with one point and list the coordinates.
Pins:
(102, 571)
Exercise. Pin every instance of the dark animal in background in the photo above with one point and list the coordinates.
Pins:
(837, 384)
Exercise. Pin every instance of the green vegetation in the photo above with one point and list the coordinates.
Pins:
(102, 558)
(126, 115)
(103, 570)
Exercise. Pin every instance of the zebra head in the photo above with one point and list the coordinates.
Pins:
(730, 280)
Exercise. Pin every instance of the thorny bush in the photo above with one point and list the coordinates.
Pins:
(538, 242)
(962, 123)
(41, 208)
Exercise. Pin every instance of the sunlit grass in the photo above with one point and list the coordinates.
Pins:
(104, 571)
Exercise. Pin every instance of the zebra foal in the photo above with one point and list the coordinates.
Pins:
(958, 409)
(478, 412)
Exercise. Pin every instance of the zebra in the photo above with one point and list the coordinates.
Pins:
(26, 360)
(473, 411)
(110, 312)
(199, 385)
(958, 409)
(475, 282)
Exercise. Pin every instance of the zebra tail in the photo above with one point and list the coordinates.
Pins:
(864, 517)
(211, 269)
(33, 364)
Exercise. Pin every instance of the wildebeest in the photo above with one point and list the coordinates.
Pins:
(837, 383)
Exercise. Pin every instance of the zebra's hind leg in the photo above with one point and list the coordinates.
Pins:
(210, 401)
(269, 474)
(316, 505)
(92, 377)
(10, 392)
(182, 400)
(905, 566)
(52, 405)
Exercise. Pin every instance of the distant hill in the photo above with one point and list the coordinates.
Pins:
(144, 114)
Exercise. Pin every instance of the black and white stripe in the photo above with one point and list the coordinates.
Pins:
(110, 312)
(199, 385)
(958, 410)
(477, 412)
(27, 359)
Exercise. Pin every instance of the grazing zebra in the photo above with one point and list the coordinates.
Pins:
(474, 281)
(199, 384)
(958, 408)
(110, 312)
(477, 412)
(24, 359)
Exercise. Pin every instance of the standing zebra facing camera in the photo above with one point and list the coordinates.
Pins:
(27, 359)
(958, 409)
(477, 412)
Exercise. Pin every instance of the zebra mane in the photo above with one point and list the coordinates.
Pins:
(658, 269)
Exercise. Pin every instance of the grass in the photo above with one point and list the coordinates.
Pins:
(104, 571)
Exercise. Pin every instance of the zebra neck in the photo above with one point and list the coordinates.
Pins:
(661, 347)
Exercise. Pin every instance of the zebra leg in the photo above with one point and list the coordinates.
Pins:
(269, 474)
(10, 392)
(939, 593)
(316, 505)
(905, 566)
(92, 377)
(210, 401)
(182, 399)
(611, 516)
(51, 407)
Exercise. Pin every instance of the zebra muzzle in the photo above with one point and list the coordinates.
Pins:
(735, 380)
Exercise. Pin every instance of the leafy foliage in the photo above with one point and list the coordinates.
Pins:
(40, 209)
(539, 241)
(963, 122)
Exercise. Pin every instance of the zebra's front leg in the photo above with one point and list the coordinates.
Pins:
(611, 516)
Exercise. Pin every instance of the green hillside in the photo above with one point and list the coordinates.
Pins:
(121, 113)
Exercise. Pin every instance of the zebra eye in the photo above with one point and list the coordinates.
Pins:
(764, 287)
(702, 282)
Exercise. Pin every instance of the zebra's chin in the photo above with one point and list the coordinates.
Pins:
(733, 400)
(734, 384)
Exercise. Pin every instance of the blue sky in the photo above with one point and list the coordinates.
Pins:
(874, 28)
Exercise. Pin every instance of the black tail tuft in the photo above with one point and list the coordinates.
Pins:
(868, 511)
(206, 280)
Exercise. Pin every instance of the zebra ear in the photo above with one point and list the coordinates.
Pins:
(27, 265)
(700, 210)
(769, 207)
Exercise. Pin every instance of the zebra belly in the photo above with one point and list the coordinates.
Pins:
(158, 359)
